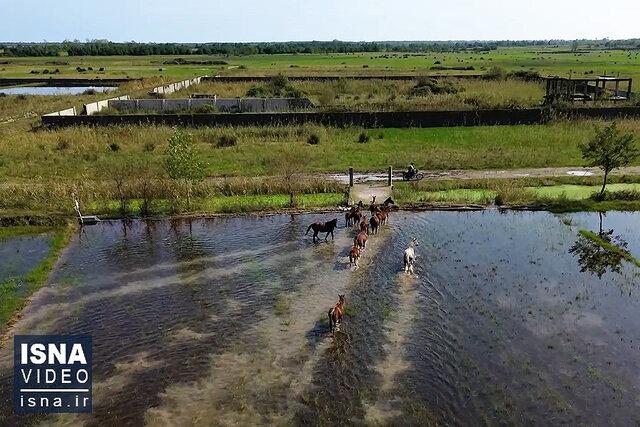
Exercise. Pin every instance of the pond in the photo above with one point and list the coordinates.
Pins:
(508, 319)
(54, 90)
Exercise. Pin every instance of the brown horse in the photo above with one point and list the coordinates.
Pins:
(336, 314)
(361, 239)
(364, 224)
(323, 227)
(373, 207)
(383, 215)
(354, 255)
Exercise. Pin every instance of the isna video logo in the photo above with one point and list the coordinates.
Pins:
(52, 374)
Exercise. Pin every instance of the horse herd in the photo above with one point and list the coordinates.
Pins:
(357, 217)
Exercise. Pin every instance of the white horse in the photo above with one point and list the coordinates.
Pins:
(410, 256)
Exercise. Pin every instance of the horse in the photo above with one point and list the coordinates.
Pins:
(375, 223)
(410, 256)
(323, 227)
(353, 217)
(361, 239)
(354, 255)
(383, 215)
(364, 224)
(336, 314)
(373, 207)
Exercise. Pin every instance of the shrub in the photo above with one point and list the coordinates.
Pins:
(427, 86)
(525, 75)
(206, 109)
(227, 141)
(45, 71)
(80, 69)
(89, 92)
(363, 138)
(62, 145)
(22, 97)
(495, 73)
(381, 135)
(101, 69)
(90, 68)
(313, 139)
(34, 72)
(114, 146)
(149, 147)
(257, 92)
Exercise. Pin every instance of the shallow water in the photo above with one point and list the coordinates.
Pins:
(54, 90)
(21, 254)
(225, 319)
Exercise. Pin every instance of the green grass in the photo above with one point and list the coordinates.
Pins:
(12, 296)
(513, 193)
(77, 153)
(20, 230)
(546, 60)
(608, 246)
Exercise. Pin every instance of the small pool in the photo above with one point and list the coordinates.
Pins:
(55, 90)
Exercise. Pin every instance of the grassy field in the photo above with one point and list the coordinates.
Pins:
(387, 95)
(548, 61)
(81, 153)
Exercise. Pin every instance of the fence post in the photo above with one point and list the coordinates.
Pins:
(350, 177)
(390, 177)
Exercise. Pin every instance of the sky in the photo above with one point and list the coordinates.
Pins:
(285, 20)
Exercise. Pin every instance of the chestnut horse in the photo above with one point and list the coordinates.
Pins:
(323, 227)
(364, 224)
(354, 255)
(361, 239)
(336, 314)
(353, 216)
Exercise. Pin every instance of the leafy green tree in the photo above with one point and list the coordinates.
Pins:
(183, 163)
(609, 149)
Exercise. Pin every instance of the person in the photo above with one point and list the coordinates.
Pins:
(411, 171)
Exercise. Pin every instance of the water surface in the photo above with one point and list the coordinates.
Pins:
(225, 319)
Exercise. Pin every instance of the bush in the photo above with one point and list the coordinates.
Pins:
(527, 76)
(62, 145)
(495, 73)
(313, 139)
(427, 86)
(227, 141)
(206, 109)
(114, 146)
(363, 138)
(45, 71)
(628, 195)
(80, 69)
(149, 147)
(89, 92)
(101, 69)
(257, 92)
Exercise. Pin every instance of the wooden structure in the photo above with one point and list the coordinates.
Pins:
(601, 88)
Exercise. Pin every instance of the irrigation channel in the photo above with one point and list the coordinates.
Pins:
(223, 321)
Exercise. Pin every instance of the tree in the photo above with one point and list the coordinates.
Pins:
(288, 162)
(609, 149)
(183, 163)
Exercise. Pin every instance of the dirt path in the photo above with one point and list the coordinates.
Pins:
(364, 193)
(484, 174)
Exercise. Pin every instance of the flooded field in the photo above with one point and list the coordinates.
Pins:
(20, 254)
(54, 90)
(510, 318)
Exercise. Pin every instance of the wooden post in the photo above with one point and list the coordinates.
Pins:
(390, 177)
(629, 90)
(350, 177)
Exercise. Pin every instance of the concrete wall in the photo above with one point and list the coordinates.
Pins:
(96, 107)
(365, 119)
(68, 112)
(170, 88)
(225, 105)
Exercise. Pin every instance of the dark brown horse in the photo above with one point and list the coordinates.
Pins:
(336, 314)
(323, 227)
(375, 223)
(353, 217)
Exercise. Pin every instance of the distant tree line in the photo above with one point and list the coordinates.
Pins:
(107, 48)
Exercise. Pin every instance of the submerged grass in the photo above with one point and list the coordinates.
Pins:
(15, 292)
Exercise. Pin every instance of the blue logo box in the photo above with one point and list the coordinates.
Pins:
(52, 374)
